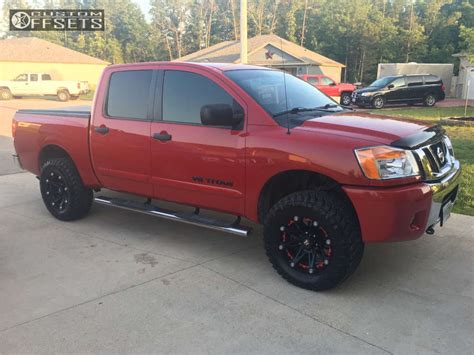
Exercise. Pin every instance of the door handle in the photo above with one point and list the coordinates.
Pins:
(163, 136)
(102, 130)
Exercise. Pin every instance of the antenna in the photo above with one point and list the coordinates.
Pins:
(284, 85)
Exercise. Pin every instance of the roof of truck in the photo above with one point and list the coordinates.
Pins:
(216, 66)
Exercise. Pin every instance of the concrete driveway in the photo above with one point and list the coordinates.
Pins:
(118, 281)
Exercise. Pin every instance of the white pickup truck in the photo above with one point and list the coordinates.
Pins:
(41, 84)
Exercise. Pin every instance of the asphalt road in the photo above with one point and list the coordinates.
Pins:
(119, 281)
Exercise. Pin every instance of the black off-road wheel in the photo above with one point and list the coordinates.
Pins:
(313, 239)
(63, 192)
(430, 100)
(378, 102)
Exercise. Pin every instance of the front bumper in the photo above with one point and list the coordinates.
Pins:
(361, 100)
(402, 213)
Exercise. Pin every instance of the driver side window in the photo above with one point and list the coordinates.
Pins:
(326, 81)
(22, 77)
(397, 83)
(185, 93)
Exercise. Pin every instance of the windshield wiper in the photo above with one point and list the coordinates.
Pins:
(296, 110)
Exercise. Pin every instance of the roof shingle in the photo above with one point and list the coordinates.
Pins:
(229, 51)
(32, 49)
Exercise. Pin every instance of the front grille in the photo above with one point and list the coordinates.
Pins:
(436, 159)
(439, 153)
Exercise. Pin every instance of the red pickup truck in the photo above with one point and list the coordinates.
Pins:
(330, 87)
(250, 142)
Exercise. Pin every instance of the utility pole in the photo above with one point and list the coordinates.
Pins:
(243, 31)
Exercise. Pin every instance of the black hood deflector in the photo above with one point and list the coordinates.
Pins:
(419, 139)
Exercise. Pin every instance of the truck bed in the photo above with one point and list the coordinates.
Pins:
(65, 128)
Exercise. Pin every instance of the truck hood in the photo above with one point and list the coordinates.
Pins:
(372, 128)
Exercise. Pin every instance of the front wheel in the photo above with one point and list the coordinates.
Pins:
(5, 94)
(430, 100)
(378, 102)
(346, 99)
(313, 239)
(63, 192)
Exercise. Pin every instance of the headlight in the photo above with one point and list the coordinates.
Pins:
(366, 94)
(385, 162)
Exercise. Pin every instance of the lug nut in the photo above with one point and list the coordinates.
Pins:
(295, 218)
(292, 264)
(326, 262)
(47, 180)
(328, 242)
(280, 247)
(65, 189)
(282, 228)
(52, 204)
(47, 192)
(315, 223)
(52, 174)
(311, 271)
(59, 177)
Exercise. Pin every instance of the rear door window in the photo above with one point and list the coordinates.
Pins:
(185, 93)
(128, 93)
(313, 80)
(432, 79)
(415, 80)
(45, 77)
(33, 77)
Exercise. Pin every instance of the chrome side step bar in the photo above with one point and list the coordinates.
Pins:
(185, 217)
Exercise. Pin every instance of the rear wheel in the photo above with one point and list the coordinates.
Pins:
(346, 99)
(378, 102)
(5, 94)
(63, 192)
(430, 100)
(313, 240)
(63, 95)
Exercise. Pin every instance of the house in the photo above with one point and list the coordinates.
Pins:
(270, 51)
(465, 80)
(30, 54)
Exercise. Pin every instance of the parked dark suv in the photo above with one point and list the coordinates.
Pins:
(401, 89)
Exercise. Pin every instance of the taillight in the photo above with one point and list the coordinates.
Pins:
(443, 87)
(14, 124)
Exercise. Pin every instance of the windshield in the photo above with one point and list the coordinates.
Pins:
(268, 89)
(382, 82)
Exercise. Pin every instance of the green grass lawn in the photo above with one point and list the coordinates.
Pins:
(463, 143)
(426, 113)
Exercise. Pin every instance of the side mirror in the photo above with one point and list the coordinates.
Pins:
(221, 115)
(333, 84)
(390, 87)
